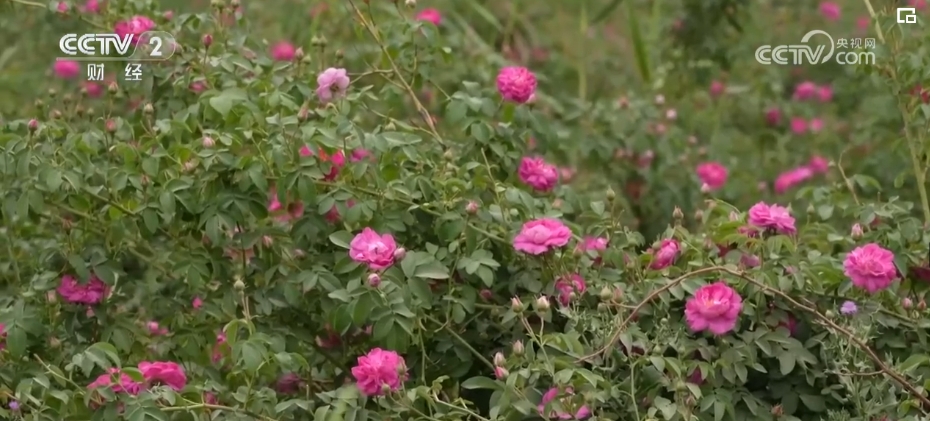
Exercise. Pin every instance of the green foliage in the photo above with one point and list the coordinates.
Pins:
(215, 209)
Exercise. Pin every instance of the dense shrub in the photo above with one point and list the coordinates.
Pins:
(402, 212)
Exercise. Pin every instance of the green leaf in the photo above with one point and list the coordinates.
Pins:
(395, 139)
(825, 211)
(79, 266)
(658, 363)
(108, 350)
(225, 101)
(383, 328)
(814, 403)
(252, 356)
(341, 238)
(421, 290)
(432, 270)
(914, 361)
(16, 341)
(720, 409)
(666, 407)
(480, 382)
(786, 362)
(106, 274)
(52, 178)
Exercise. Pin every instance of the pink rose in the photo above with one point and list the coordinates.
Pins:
(333, 216)
(713, 174)
(373, 249)
(337, 160)
(714, 307)
(816, 125)
(377, 369)
(791, 178)
(589, 243)
(135, 26)
(749, 260)
(430, 15)
(516, 84)
(66, 69)
(567, 285)
(696, 377)
(288, 384)
(284, 213)
(283, 51)
(332, 84)
(870, 267)
(580, 412)
(77, 293)
(94, 90)
(773, 116)
(805, 91)
(863, 22)
(541, 235)
(125, 384)
(538, 174)
(360, 154)
(164, 372)
(830, 10)
(824, 93)
(716, 88)
(798, 125)
(92, 6)
(818, 164)
(665, 255)
(774, 217)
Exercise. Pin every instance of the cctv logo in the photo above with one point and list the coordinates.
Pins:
(95, 44)
(907, 15)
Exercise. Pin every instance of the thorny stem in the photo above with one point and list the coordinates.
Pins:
(824, 320)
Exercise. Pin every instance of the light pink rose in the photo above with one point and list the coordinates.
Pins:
(541, 235)
(373, 249)
(332, 84)
(774, 217)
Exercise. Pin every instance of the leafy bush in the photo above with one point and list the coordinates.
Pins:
(434, 214)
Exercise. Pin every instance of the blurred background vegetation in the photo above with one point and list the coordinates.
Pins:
(589, 55)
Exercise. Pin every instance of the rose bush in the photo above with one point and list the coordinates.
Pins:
(432, 213)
